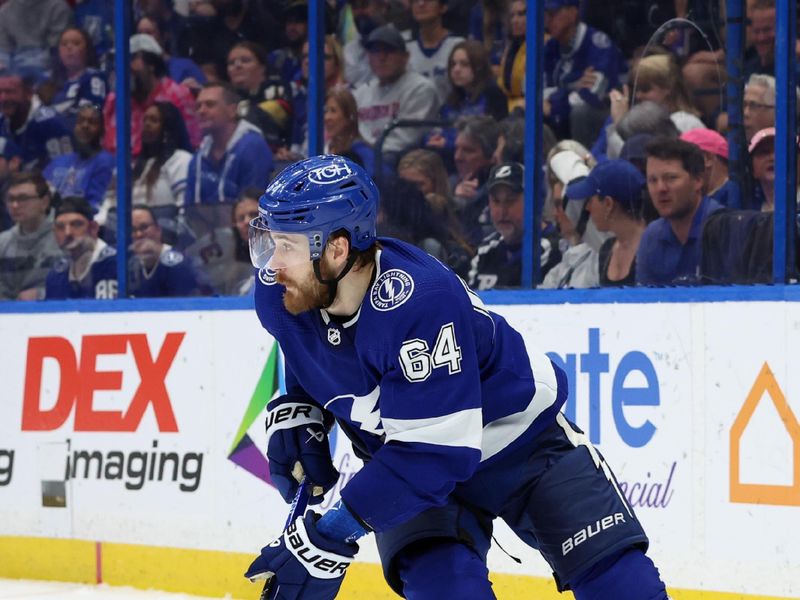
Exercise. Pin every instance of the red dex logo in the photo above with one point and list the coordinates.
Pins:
(79, 380)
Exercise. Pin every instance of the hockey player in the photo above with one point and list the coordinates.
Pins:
(458, 422)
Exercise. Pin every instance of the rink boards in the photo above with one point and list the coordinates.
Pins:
(131, 444)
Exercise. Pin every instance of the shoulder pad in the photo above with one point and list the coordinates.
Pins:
(171, 258)
(601, 40)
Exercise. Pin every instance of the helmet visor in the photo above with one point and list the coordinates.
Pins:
(276, 249)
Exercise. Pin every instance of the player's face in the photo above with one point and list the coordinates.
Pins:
(674, 192)
(506, 208)
(304, 292)
(461, 73)
(88, 125)
(26, 206)
(72, 50)
(245, 211)
(418, 178)
(333, 118)
(244, 70)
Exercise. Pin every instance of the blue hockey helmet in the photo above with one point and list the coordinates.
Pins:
(315, 197)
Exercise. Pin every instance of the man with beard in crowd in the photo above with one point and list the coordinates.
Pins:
(89, 266)
(86, 172)
(30, 134)
(150, 84)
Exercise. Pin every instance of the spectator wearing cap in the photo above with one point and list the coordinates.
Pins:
(614, 191)
(581, 66)
(149, 84)
(430, 49)
(285, 62)
(156, 270)
(669, 251)
(715, 155)
(28, 249)
(29, 31)
(394, 93)
(233, 154)
(31, 135)
(762, 156)
(87, 172)
(89, 266)
(368, 15)
(182, 70)
(498, 260)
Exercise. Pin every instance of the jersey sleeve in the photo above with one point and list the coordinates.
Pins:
(430, 404)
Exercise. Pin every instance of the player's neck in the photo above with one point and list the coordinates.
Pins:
(351, 291)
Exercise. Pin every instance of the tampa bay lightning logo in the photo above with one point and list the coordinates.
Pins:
(267, 276)
(391, 290)
(330, 174)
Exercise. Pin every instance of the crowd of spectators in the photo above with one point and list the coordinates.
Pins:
(636, 158)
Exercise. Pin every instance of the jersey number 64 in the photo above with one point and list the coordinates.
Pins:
(418, 363)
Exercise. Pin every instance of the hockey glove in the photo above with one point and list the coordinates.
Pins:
(302, 563)
(296, 435)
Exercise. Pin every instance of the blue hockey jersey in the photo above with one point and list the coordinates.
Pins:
(426, 381)
(172, 275)
(42, 138)
(73, 175)
(564, 67)
(88, 89)
(99, 282)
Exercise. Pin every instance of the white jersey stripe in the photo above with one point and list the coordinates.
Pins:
(460, 429)
(502, 432)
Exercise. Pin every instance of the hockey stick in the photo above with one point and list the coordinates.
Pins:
(298, 507)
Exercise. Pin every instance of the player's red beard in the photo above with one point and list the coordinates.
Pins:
(307, 294)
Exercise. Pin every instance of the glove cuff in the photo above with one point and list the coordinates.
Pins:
(292, 414)
(321, 557)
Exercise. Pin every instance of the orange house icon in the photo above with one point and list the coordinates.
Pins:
(754, 493)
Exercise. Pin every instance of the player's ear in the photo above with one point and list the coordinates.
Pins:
(339, 247)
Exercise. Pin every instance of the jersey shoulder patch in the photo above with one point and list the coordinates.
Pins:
(601, 40)
(171, 258)
(106, 252)
(391, 290)
(61, 265)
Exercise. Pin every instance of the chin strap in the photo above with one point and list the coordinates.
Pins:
(333, 284)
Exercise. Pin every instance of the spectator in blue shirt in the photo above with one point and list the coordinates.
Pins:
(89, 266)
(76, 77)
(36, 131)
(86, 172)
(156, 269)
(232, 155)
(669, 251)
